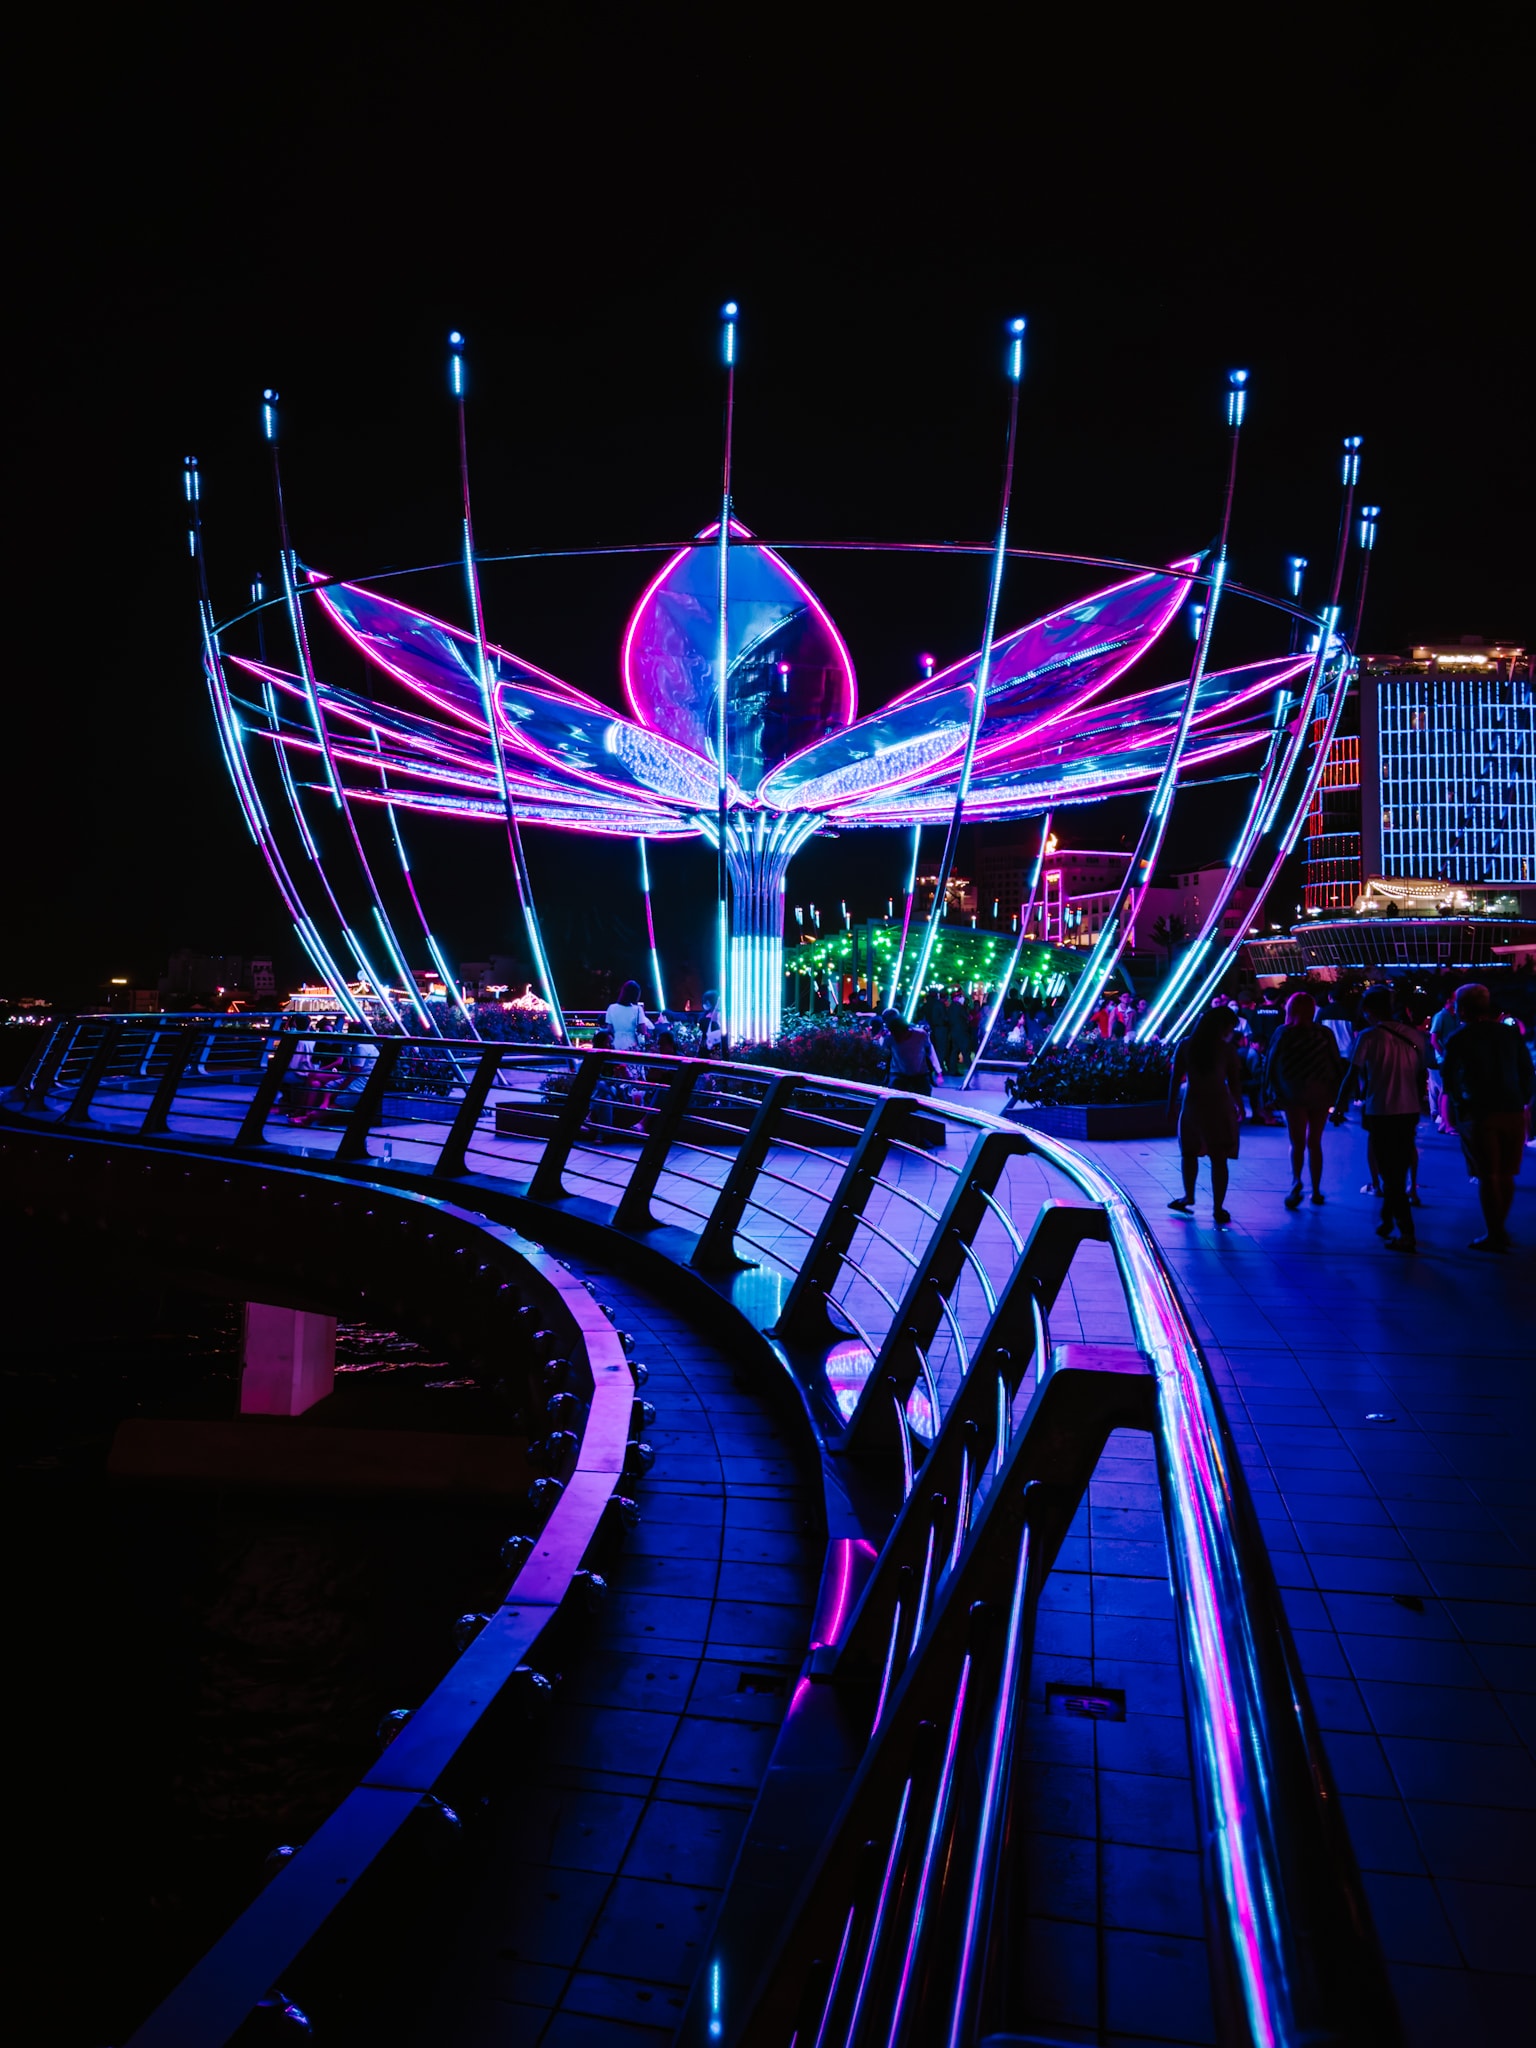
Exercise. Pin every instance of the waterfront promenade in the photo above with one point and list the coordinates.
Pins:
(1383, 1409)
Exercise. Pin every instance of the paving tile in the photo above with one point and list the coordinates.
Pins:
(1157, 1891)
(1493, 1925)
(1157, 1985)
(1149, 1812)
(1443, 1713)
(685, 1843)
(1473, 1772)
(1481, 1844)
(1061, 1876)
(1152, 1745)
(1381, 1834)
(546, 1914)
(726, 1753)
(626, 1999)
(1059, 1968)
(1410, 1920)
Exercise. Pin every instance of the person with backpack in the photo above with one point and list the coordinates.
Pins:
(911, 1062)
(1489, 1080)
(1387, 1066)
(1302, 1074)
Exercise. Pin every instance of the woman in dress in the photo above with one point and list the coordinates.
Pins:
(1211, 1071)
(627, 1020)
(1302, 1075)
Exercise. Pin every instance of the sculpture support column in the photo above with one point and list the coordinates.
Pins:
(287, 1359)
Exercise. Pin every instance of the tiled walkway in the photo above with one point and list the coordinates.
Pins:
(1385, 1410)
(607, 1873)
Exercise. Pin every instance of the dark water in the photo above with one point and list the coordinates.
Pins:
(194, 1677)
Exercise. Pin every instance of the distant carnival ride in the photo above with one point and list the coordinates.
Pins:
(743, 731)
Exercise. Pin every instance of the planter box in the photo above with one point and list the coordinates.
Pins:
(1097, 1119)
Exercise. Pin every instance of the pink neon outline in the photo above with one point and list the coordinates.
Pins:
(524, 745)
(1027, 746)
(936, 803)
(626, 668)
(372, 654)
(1183, 568)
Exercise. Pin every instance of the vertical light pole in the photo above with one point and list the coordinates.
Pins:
(1120, 919)
(457, 383)
(293, 598)
(1025, 914)
(650, 924)
(1014, 366)
(728, 317)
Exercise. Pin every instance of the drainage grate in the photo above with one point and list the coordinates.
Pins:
(1088, 1703)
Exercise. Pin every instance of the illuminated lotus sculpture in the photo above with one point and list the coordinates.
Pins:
(1058, 727)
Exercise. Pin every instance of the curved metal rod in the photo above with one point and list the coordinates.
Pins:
(1262, 812)
(232, 746)
(1004, 1218)
(981, 1274)
(1131, 895)
(970, 1956)
(1291, 609)
(436, 951)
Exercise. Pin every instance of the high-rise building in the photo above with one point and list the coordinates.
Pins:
(1450, 746)
(1437, 781)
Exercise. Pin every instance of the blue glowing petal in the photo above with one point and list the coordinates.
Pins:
(1040, 668)
(790, 677)
(1042, 673)
(1041, 784)
(435, 660)
(601, 747)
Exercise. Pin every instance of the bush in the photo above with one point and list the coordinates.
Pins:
(841, 1048)
(1111, 1071)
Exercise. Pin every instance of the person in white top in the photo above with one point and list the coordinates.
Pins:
(627, 1020)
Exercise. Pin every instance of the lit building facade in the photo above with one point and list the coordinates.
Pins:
(1449, 756)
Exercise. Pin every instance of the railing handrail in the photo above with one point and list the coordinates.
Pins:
(1292, 1923)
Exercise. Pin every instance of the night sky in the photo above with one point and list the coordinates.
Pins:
(205, 201)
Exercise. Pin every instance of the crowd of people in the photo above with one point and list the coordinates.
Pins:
(1463, 1060)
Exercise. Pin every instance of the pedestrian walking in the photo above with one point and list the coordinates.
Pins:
(911, 1062)
(1388, 1068)
(1489, 1081)
(1302, 1074)
(1210, 1119)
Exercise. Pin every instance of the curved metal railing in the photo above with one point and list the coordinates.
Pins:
(902, 1258)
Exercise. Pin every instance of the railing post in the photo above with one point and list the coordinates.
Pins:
(252, 1130)
(715, 1251)
(933, 1281)
(634, 1210)
(79, 1110)
(546, 1185)
(969, 1428)
(451, 1159)
(805, 1318)
(155, 1120)
(354, 1136)
(34, 1085)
